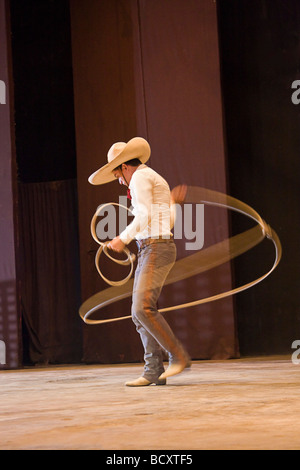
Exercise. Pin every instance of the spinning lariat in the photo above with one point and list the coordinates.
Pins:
(197, 263)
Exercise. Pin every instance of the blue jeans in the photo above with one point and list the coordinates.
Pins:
(154, 264)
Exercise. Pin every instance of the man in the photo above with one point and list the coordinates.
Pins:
(151, 228)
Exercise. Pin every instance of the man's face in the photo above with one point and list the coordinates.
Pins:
(118, 175)
(123, 175)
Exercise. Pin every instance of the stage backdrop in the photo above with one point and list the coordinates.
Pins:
(48, 259)
(260, 50)
(151, 68)
(10, 342)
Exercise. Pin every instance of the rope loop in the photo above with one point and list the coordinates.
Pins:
(197, 263)
(130, 257)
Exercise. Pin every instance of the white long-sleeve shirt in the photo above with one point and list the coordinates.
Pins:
(153, 216)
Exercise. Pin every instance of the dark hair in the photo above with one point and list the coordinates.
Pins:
(133, 162)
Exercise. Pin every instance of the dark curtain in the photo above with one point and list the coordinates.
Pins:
(260, 50)
(47, 259)
(49, 272)
(179, 62)
(10, 336)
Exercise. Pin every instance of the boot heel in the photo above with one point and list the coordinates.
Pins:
(161, 382)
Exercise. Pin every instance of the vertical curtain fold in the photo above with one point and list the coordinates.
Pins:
(49, 271)
(163, 84)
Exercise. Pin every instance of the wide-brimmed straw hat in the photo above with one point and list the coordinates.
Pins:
(119, 153)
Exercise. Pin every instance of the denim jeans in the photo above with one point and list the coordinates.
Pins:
(154, 264)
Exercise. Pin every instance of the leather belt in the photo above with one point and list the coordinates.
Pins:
(148, 241)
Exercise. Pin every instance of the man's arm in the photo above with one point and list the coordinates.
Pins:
(116, 244)
(142, 197)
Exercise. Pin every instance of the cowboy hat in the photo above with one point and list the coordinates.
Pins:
(119, 153)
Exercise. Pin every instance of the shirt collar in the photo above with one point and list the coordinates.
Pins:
(140, 167)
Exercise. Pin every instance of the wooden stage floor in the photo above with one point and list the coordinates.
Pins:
(236, 404)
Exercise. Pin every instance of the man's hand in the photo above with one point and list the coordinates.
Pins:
(116, 244)
(178, 194)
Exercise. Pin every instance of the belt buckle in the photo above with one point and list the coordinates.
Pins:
(139, 244)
